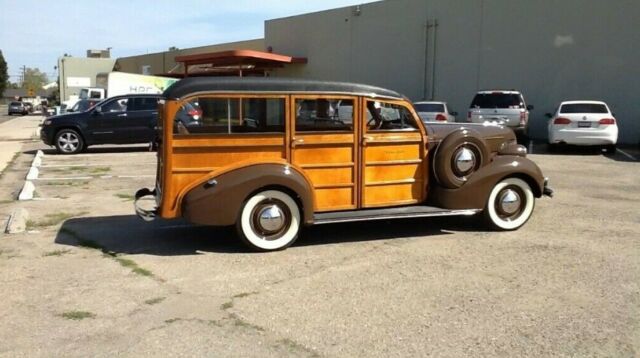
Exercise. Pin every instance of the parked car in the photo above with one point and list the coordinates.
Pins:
(434, 111)
(17, 108)
(588, 123)
(502, 106)
(84, 105)
(271, 155)
(188, 115)
(124, 119)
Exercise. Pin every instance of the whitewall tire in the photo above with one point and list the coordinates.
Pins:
(269, 221)
(510, 204)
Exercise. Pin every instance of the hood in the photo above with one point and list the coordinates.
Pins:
(493, 134)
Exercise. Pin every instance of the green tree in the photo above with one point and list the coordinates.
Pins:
(4, 76)
(34, 79)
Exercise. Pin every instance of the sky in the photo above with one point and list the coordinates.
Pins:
(35, 33)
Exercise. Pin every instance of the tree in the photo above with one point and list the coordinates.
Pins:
(4, 76)
(34, 79)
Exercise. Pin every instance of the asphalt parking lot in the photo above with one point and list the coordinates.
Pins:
(90, 278)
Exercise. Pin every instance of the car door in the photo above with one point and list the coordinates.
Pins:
(393, 155)
(107, 122)
(324, 145)
(141, 119)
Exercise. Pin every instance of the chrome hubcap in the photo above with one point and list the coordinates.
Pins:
(68, 142)
(271, 218)
(465, 160)
(509, 201)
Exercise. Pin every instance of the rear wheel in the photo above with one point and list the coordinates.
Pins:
(510, 204)
(269, 221)
(68, 141)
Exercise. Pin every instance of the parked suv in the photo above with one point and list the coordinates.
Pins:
(124, 119)
(271, 155)
(504, 107)
(17, 108)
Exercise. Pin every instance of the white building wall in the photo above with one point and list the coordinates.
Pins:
(551, 50)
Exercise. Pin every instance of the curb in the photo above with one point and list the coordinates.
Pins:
(28, 189)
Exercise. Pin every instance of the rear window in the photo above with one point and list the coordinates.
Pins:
(429, 107)
(497, 100)
(584, 108)
(16, 103)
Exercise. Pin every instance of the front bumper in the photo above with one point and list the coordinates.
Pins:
(146, 215)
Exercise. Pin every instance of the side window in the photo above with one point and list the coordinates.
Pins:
(143, 104)
(324, 115)
(95, 94)
(119, 105)
(388, 116)
(230, 115)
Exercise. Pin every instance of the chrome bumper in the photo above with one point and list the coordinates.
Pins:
(146, 215)
(546, 190)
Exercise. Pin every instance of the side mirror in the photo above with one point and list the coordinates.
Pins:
(453, 113)
(529, 107)
(548, 115)
(98, 110)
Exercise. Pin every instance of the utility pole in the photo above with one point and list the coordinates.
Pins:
(23, 77)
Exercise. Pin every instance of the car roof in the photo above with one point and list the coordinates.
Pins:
(586, 101)
(429, 102)
(193, 85)
(511, 91)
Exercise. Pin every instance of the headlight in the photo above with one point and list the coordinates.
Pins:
(46, 122)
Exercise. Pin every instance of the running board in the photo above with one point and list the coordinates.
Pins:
(388, 213)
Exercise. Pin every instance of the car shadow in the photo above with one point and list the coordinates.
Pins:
(127, 234)
(98, 150)
(623, 154)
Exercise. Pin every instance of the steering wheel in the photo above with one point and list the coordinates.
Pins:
(377, 126)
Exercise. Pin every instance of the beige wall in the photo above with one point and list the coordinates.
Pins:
(162, 62)
(551, 50)
(80, 67)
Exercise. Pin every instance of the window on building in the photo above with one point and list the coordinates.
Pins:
(324, 115)
(388, 116)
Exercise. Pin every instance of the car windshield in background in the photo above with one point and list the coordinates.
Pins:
(16, 104)
(429, 107)
(497, 100)
(584, 108)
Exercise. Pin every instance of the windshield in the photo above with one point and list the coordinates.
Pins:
(584, 108)
(429, 107)
(497, 100)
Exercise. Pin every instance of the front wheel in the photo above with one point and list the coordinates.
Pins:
(269, 221)
(68, 141)
(510, 204)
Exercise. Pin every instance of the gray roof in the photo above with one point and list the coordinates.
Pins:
(191, 85)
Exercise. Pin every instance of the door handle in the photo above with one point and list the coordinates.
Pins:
(296, 141)
(122, 115)
(366, 139)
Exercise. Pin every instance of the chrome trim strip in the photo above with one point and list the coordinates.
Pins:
(466, 212)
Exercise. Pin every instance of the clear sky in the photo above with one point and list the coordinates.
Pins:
(35, 33)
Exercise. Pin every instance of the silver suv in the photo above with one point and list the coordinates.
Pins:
(503, 106)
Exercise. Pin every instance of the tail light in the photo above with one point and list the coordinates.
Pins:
(195, 112)
(469, 116)
(440, 117)
(523, 118)
(607, 121)
(562, 120)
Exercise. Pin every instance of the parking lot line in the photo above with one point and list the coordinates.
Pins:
(627, 154)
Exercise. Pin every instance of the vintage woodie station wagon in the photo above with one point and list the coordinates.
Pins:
(271, 155)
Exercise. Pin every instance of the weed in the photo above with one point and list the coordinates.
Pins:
(53, 219)
(171, 320)
(67, 183)
(154, 301)
(100, 170)
(226, 305)
(78, 315)
(56, 253)
(124, 196)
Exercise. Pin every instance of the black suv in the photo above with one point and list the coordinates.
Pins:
(123, 119)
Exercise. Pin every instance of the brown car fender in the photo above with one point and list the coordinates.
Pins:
(219, 199)
(475, 192)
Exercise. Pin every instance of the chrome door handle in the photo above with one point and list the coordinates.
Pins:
(122, 115)
(296, 141)
(366, 139)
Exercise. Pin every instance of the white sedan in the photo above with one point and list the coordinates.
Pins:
(434, 112)
(583, 123)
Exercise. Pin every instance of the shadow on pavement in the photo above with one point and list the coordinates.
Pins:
(623, 154)
(97, 150)
(129, 235)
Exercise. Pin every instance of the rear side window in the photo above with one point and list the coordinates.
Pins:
(230, 115)
(429, 107)
(389, 116)
(584, 108)
(497, 100)
(143, 104)
(324, 115)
